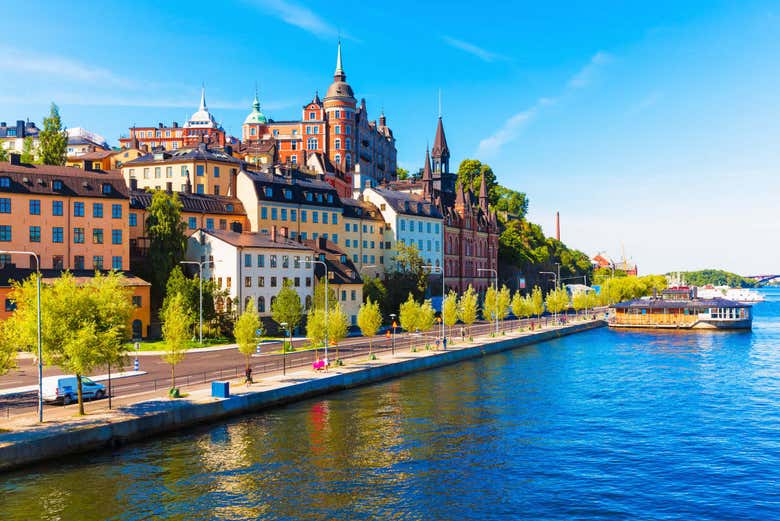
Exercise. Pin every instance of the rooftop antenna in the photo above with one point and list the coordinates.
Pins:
(439, 102)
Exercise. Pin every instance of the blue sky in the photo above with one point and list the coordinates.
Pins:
(652, 127)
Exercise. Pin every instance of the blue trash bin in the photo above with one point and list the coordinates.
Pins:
(220, 389)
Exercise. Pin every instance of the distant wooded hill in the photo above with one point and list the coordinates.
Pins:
(716, 278)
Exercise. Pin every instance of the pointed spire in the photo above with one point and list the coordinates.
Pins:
(460, 197)
(440, 148)
(483, 198)
(316, 99)
(202, 98)
(427, 178)
(339, 73)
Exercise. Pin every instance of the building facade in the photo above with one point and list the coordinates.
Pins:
(343, 277)
(334, 127)
(253, 266)
(202, 127)
(366, 239)
(12, 136)
(73, 219)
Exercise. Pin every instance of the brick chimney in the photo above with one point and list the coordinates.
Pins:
(273, 233)
(557, 226)
(322, 243)
(285, 232)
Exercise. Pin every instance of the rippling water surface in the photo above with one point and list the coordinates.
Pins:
(602, 424)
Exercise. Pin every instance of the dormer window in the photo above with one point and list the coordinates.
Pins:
(312, 115)
(330, 198)
(106, 188)
(288, 194)
(343, 259)
(269, 192)
(419, 207)
(229, 207)
(319, 198)
(5, 182)
(406, 206)
(308, 196)
(56, 185)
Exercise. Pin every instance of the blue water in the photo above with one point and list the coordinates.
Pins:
(604, 424)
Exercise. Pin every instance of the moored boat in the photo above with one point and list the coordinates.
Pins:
(681, 308)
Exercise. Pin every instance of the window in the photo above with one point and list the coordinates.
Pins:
(201, 189)
(137, 301)
(293, 215)
(97, 262)
(286, 261)
(308, 282)
(56, 208)
(312, 115)
(5, 205)
(78, 209)
(428, 227)
(343, 295)
(228, 282)
(348, 144)
(303, 216)
(353, 295)
(273, 261)
(288, 194)
(337, 144)
(97, 236)
(284, 214)
(247, 282)
(247, 260)
(209, 223)
(336, 113)
(157, 172)
(106, 188)
(261, 304)
(216, 171)
(347, 130)
(337, 158)
(10, 305)
(264, 213)
(273, 282)
(97, 209)
(56, 234)
(315, 217)
(183, 170)
(297, 282)
(35, 207)
(192, 222)
(260, 282)
(116, 262)
(437, 228)
(5, 182)
(133, 219)
(116, 236)
(116, 211)
(78, 262)
(335, 238)
(261, 261)
(146, 173)
(324, 218)
(78, 235)
(311, 143)
(348, 243)
(335, 219)
(199, 171)
(274, 214)
(403, 225)
(223, 224)
(35, 234)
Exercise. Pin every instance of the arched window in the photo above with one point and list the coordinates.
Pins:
(337, 144)
(261, 304)
(348, 161)
(338, 159)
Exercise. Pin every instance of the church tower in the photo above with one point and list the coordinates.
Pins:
(340, 105)
(441, 152)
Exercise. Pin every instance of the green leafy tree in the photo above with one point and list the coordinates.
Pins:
(167, 241)
(407, 315)
(369, 321)
(716, 278)
(287, 307)
(28, 150)
(7, 347)
(504, 302)
(408, 276)
(189, 288)
(3, 154)
(83, 325)
(318, 300)
(470, 174)
(245, 331)
(449, 310)
(374, 289)
(426, 316)
(315, 327)
(401, 173)
(54, 140)
(176, 330)
(467, 307)
(557, 300)
(489, 304)
(511, 202)
(338, 326)
(580, 301)
(537, 302)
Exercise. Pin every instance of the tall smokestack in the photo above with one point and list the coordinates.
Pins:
(557, 226)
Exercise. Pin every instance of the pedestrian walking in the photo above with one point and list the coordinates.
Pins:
(444, 343)
(437, 343)
(248, 376)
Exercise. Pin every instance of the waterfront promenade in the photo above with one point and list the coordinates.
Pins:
(147, 414)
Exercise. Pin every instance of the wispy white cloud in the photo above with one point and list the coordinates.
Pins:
(18, 61)
(298, 16)
(509, 131)
(645, 103)
(474, 50)
(98, 100)
(587, 74)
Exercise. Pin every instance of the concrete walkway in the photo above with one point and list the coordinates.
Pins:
(151, 413)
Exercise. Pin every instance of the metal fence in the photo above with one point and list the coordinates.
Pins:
(279, 363)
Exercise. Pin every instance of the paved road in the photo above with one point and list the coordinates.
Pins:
(200, 367)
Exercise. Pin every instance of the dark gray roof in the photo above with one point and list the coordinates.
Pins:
(299, 187)
(21, 129)
(409, 204)
(10, 273)
(200, 153)
(361, 210)
(341, 269)
(40, 179)
(194, 203)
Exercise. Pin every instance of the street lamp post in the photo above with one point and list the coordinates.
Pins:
(40, 345)
(495, 274)
(392, 348)
(439, 269)
(324, 265)
(200, 292)
(555, 281)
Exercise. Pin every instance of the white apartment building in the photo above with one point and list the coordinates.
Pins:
(412, 221)
(253, 266)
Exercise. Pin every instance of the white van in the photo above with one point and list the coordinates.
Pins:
(65, 389)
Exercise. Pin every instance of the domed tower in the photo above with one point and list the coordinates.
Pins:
(340, 104)
(255, 122)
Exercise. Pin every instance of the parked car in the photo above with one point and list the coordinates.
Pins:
(64, 389)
